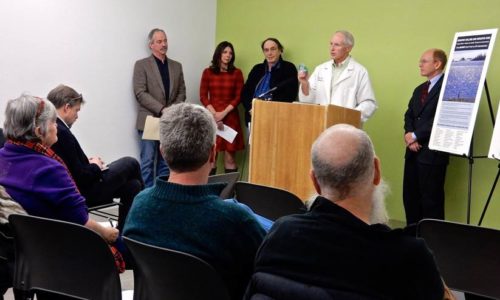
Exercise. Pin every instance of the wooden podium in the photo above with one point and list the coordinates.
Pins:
(281, 138)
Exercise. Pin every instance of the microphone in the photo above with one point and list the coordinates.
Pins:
(267, 92)
(279, 85)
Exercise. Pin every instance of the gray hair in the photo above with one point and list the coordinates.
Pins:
(152, 32)
(187, 135)
(336, 171)
(63, 94)
(24, 114)
(348, 38)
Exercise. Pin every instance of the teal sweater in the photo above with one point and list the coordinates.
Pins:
(195, 220)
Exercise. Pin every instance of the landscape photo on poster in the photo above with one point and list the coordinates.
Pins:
(461, 93)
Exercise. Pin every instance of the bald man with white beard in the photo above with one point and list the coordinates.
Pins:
(342, 242)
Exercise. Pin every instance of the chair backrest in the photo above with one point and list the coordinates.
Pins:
(161, 273)
(468, 256)
(230, 179)
(2, 138)
(266, 286)
(271, 203)
(64, 258)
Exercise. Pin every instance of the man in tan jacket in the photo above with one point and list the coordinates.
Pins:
(158, 83)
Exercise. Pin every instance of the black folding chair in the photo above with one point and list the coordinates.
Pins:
(62, 258)
(467, 255)
(161, 273)
(271, 203)
(230, 179)
(6, 259)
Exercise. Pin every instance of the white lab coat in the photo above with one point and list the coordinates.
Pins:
(352, 90)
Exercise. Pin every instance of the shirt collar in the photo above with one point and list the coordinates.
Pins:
(434, 80)
(276, 65)
(342, 64)
(60, 119)
(158, 61)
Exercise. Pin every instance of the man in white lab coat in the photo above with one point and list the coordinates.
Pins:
(341, 81)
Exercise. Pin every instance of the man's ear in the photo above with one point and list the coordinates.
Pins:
(63, 110)
(377, 173)
(315, 182)
(438, 64)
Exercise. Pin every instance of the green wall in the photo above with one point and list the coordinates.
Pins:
(390, 37)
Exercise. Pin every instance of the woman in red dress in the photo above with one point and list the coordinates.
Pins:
(220, 90)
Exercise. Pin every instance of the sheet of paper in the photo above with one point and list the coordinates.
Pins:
(227, 133)
(109, 223)
(151, 129)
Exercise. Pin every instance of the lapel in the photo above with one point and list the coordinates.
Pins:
(171, 78)
(63, 128)
(153, 68)
(327, 78)
(432, 96)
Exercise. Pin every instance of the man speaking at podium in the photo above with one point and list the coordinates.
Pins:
(341, 81)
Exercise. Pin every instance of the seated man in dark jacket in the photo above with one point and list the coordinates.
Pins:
(341, 244)
(98, 183)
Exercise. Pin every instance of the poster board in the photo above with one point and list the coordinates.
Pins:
(461, 93)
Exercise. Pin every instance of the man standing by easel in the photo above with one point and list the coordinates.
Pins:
(425, 169)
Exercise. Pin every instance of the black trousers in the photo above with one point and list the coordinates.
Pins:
(423, 191)
(122, 180)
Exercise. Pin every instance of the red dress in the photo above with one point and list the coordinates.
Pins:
(220, 90)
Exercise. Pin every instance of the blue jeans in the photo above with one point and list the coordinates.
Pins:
(152, 163)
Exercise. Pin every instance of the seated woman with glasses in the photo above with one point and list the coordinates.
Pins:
(33, 174)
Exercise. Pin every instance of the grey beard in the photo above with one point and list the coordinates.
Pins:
(379, 212)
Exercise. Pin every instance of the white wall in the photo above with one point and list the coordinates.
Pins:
(92, 45)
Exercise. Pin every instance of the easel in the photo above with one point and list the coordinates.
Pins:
(471, 158)
(493, 186)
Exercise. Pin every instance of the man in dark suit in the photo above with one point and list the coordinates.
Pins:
(158, 83)
(98, 183)
(425, 169)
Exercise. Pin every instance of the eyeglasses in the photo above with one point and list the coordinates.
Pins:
(79, 97)
(424, 61)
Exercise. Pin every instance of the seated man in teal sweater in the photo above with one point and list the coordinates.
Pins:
(184, 213)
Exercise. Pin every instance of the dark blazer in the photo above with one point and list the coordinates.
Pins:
(149, 90)
(419, 119)
(284, 77)
(67, 147)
